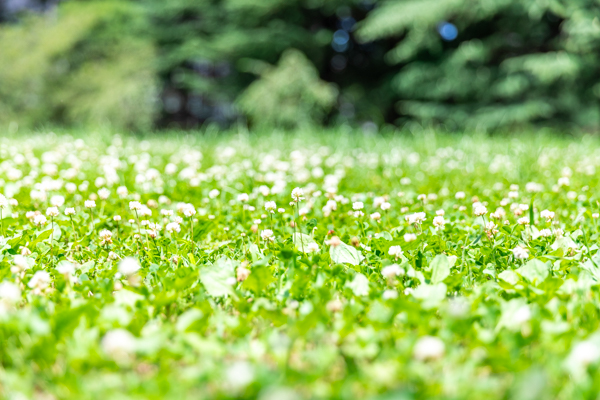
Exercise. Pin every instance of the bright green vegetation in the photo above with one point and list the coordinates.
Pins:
(200, 291)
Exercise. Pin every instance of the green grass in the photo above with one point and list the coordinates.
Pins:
(196, 302)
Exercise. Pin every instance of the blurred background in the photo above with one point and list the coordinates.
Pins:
(469, 65)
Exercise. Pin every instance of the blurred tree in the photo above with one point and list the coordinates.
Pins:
(81, 64)
(492, 63)
(465, 64)
(201, 42)
(289, 95)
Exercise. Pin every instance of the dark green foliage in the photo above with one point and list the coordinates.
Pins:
(138, 64)
(513, 62)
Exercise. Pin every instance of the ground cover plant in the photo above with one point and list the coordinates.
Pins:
(299, 266)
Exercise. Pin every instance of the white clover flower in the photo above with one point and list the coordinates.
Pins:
(547, 215)
(267, 235)
(71, 187)
(564, 181)
(429, 348)
(523, 221)
(359, 205)
(479, 210)
(118, 344)
(242, 273)
(116, 218)
(39, 220)
(270, 206)
(334, 241)
(416, 218)
(122, 192)
(52, 211)
(214, 193)
(558, 232)
(69, 211)
(90, 204)
(378, 201)
(395, 251)
(103, 193)
(522, 315)
(375, 216)
(297, 194)
(135, 205)
(13, 202)
(331, 204)
(460, 195)
(39, 282)
(533, 187)
(385, 206)
(129, 266)
(410, 237)
(20, 264)
(545, 233)
(439, 221)
(392, 271)
(239, 375)
(66, 268)
(264, 190)
(243, 197)
(440, 213)
(189, 210)
(582, 355)
(57, 200)
(334, 305)
(312, 247)
(389, 294)
(303, 211)
(173, 227)
(9, 293)
(520, 253)
(491, 227)
(106, 236)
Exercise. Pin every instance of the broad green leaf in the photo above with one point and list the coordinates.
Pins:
(345, 254)
(452, 261)
(565, 243)
(535, 271)
(41, 236)
(85, 267)
(515, 313)
(440, 268)
(430, 295)
(302, 241)
(217, 278)
(359, 285)
(255, 252)
(260, 278)
(509, 276)
(187, 319)
(385, 235)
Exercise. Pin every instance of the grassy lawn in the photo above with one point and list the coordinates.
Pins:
(289, 266)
